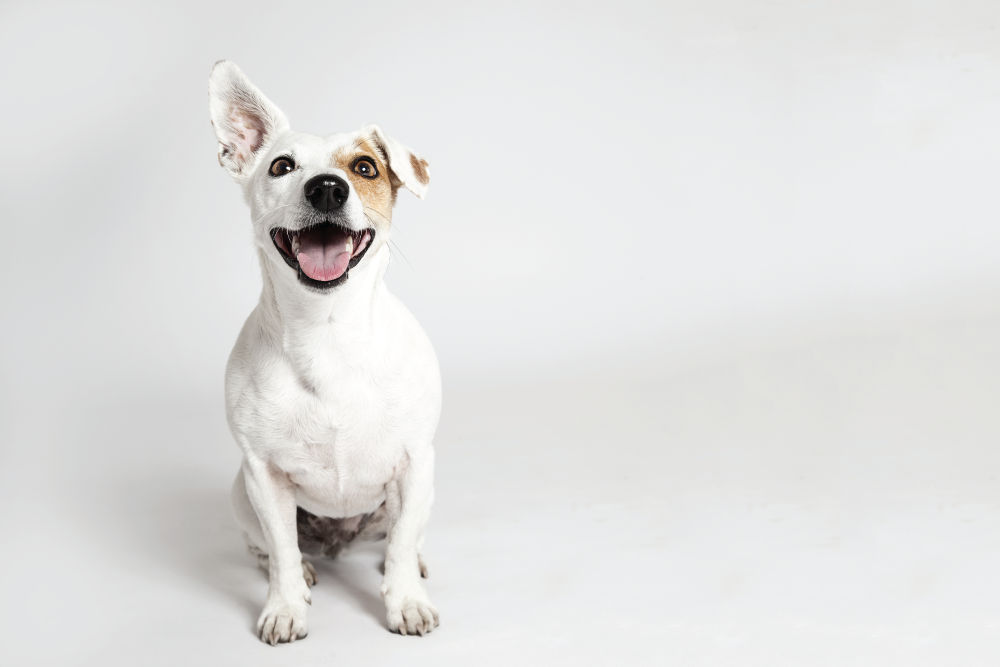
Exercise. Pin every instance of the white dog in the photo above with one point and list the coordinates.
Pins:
(332, 390)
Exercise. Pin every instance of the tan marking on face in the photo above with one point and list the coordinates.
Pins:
(419, 168)
(375, 193)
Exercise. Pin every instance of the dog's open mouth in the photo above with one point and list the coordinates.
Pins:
(322, 254)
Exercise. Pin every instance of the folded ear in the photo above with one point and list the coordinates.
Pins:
(406, 167)
(244, 119)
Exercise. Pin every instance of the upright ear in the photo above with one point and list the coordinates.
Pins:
(406, 167)
(244, 119)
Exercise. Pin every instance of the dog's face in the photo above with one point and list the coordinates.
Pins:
(319, 204)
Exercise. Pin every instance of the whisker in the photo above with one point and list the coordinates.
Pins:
(402, 254)
(274, 210)
(392, 243)
(376, 212)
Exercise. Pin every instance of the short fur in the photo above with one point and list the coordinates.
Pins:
(332, 393)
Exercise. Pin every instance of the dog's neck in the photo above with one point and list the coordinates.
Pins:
(295, 312)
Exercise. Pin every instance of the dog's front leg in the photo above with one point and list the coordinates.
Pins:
(408, 504)
(272, 496)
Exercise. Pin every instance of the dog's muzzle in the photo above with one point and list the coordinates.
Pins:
(322, 254)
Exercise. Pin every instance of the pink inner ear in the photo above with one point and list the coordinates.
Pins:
(249, 132)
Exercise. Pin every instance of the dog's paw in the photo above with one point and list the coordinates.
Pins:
(308, 573)
(284, 620)
(413, 615)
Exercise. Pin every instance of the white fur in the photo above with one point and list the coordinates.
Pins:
(333, 397)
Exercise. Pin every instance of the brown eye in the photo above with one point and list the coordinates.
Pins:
(282, 166)
(364, 166)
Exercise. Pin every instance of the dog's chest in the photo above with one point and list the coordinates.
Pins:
(337, 442)
(335, 404)
(337, 420)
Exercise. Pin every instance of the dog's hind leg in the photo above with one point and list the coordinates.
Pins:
(252, 533)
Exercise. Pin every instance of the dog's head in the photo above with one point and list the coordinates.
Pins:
(319, 204)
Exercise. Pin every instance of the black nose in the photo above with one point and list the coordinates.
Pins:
(327, 192)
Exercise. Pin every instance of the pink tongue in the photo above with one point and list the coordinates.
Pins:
(324, 255)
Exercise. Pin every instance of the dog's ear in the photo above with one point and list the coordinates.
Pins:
(406, 167)
(243, 118)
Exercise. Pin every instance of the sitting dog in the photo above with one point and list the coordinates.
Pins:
(332, 390)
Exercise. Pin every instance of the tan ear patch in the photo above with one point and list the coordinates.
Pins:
(419, 168)
(377, 193)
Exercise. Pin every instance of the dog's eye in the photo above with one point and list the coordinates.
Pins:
(282, 166)
(364, 166)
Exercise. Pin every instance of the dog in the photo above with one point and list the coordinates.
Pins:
(333, 390)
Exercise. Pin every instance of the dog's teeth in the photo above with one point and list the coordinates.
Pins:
(295, 243)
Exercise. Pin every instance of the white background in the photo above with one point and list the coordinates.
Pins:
(714, 286)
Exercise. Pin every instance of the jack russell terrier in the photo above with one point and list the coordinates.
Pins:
(332, 390)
